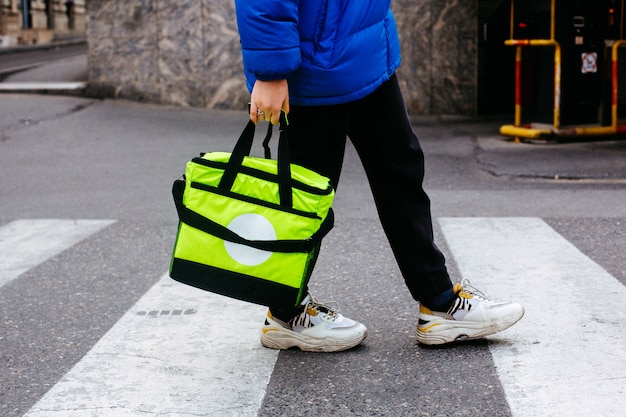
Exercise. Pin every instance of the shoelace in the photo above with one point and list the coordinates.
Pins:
(468, 288)
(331, 308)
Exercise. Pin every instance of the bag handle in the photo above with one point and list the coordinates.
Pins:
(207, 225)
(242, 149)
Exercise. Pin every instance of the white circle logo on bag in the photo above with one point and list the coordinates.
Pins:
(250, 226)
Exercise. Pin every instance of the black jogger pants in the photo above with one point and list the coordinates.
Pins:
(393, 160)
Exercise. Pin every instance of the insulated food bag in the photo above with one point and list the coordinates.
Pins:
(250, 228)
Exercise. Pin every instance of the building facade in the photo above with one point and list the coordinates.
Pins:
(187, 53)
(27, 22)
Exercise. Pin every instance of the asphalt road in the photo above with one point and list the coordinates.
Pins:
(74, 158)
(17, 60)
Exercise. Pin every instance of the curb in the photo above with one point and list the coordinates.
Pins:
(51, 45)
(58, 88)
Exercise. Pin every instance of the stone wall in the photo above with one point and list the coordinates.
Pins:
(166, 51)
(439, 69)
(187, 53)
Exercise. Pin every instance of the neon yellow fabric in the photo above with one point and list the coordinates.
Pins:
(288, 269)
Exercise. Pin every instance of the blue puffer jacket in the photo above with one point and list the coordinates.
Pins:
(330, 51)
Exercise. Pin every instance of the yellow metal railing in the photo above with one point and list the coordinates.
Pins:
(517, 130)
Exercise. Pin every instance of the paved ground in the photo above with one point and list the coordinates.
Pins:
(84, 329)
(55, 62)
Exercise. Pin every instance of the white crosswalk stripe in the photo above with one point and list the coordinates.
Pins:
(29, 242)
(566, 356)
(178, 349)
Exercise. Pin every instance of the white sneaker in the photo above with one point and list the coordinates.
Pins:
(472, 315)
(319, 328)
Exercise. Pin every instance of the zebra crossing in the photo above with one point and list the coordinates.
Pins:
(173, 352)
(26, 243)
(573, 334)
(179, 351)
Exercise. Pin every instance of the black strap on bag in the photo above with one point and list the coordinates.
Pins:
(233, 167)
(266, 142)
(200, 222)
(243, 148)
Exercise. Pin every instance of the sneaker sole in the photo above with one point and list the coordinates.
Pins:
(440, 331)
(280, 338)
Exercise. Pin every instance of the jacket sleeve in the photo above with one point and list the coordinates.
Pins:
(269, 35)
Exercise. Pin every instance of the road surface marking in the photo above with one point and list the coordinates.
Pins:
(42, 86)
(26, 243)
(566, 356)
(178, 351)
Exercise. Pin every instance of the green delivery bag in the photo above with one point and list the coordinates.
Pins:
(250, 228)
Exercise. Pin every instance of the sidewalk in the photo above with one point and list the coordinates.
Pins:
(599, 161)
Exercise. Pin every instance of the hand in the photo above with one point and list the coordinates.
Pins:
(268, 99)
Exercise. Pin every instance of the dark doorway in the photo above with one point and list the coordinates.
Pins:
(49, 13)
(496, 61)
(27, 22)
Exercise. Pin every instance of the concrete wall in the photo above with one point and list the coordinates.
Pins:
(187, 53)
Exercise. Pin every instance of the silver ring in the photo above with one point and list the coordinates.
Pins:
(259, 113)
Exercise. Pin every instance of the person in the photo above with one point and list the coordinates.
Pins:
(330, 65)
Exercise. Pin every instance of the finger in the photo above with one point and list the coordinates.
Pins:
(254, 113)
(286, 105)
